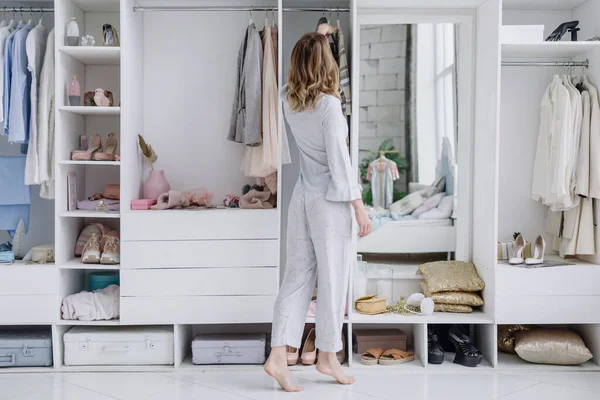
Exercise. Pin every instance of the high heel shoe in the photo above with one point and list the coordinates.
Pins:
(518, 247)
(539, 248)
(292, 355)
(435, 352)
(87, 155)
(309, 350)
(466, 354)
(110, 149)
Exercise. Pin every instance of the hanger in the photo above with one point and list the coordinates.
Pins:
(273, 11)
(12, 22)
(338, 17)
(21, 14)
(251, 21)
(31, 17)
(3, 23)
(266, 18)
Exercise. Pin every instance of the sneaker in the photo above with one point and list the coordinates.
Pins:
(91, 250)
(111, 250)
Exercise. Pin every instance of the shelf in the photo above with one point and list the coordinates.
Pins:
(416, 364)
(89, 214)
(476, 317)
(99, 111)
(112, 322)
(98, 5)
(514, 362)
(542, 4)
(76, 263)
(115, 368)
(547, 50)
(27, 370)
(22, 264)
(189, 365)
(96, 163)
(96, 55)
(448, 364)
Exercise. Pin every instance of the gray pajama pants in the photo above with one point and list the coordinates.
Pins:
(318, 245)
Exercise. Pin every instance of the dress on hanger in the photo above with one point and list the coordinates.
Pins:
(46, 116)
(36, 47)
(382, 173)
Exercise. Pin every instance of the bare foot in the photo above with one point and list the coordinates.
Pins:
(276, 367)
(329, 365)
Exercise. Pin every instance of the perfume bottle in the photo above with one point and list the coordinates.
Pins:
(74, 92)
(73, 33)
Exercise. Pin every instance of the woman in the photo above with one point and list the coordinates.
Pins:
(319, 218)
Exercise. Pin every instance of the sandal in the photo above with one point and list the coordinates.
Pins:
(371, 356)
(88, 155)
(110, 149)
(395, 357)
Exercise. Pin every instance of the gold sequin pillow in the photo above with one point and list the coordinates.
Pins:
(451, 276)
(506, 336)
(453, 308)
(461, 298)
(552, 346)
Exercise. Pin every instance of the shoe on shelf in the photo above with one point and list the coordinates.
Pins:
(538, 250)
(87, 155)
(91, 250)
(435, 352)
(111, 249)
(466, 354)
(109, 151)
(309, 350)
(517, 254)
(292, 355)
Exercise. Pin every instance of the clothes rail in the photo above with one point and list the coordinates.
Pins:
(235, 8)
(4, 9)
(584, 64)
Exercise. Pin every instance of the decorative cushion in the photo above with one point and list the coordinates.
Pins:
(506, 336)
(409, 203)
(451, 276)
(442, 211)
(551, 346)
(429, 204)
(453, 308)
(460, 298)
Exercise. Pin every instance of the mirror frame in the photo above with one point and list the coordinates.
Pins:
(465, 101)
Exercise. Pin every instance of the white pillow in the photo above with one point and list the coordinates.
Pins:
(443, 210)
(409, 204)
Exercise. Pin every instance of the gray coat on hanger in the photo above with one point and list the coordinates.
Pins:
(246, 120)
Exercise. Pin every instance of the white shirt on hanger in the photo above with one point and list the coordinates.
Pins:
(4, 32)
(594, 149)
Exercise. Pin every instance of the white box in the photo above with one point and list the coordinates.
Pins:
(521, 34)
(119, 346)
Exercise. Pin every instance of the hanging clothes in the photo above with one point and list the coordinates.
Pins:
(246, 120)
(594, 149)
(7, 66)
(20, 95)
(345, 92)
(5, 31)
(45, 122)
(36, 47)
(382, 173)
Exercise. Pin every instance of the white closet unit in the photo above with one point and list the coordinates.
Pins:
(219, 270)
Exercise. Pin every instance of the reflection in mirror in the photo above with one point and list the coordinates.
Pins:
(408, 111)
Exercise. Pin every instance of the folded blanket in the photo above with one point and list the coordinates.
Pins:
(102, 304)
(255, 199)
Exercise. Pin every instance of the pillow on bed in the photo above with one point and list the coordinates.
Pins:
(429, 204)
(409, 203)
(443, 210)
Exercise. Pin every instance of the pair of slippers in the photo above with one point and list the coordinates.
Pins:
(388, 357)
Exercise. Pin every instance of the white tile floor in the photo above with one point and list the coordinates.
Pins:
(252, 383)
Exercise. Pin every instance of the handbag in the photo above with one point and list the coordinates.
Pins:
(112, 192)
(370, 305)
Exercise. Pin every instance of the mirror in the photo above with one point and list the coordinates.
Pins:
(408, 117)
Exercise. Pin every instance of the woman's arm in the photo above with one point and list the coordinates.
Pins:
(362, 218)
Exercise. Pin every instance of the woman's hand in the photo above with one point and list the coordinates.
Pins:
(326, 29)
(362, 218)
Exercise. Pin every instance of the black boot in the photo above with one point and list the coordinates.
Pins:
(434, 348)
(466, 353)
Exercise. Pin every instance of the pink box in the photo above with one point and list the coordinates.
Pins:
(142, 204)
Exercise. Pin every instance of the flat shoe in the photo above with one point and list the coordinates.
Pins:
(371, 356)
(395, 357)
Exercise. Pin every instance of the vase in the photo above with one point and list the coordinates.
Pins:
(73, 33)
(155, 185)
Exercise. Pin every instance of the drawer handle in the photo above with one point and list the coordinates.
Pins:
(12, 361)
(109, 349)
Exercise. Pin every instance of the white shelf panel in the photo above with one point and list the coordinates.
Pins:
(547, 50)
(115, 368)
(112, 322)
(311, 320)
(76, 263)
(21, 264)
(96, 55)
(514, 362)
(416, 364)
(448, 364)
(89, 214)
(476, 317)
(542, 4)
(187, 364)
(26, 370)
(98, 5)
(96, 163)
(90, 111)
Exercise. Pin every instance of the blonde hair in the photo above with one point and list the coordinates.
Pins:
(313, 72)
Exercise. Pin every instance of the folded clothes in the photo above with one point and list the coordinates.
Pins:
(102, 304)
(190, 198)
(255, 199)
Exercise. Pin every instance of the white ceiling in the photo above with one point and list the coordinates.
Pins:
(543, 4)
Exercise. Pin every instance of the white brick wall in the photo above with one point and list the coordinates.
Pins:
(382, 91)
